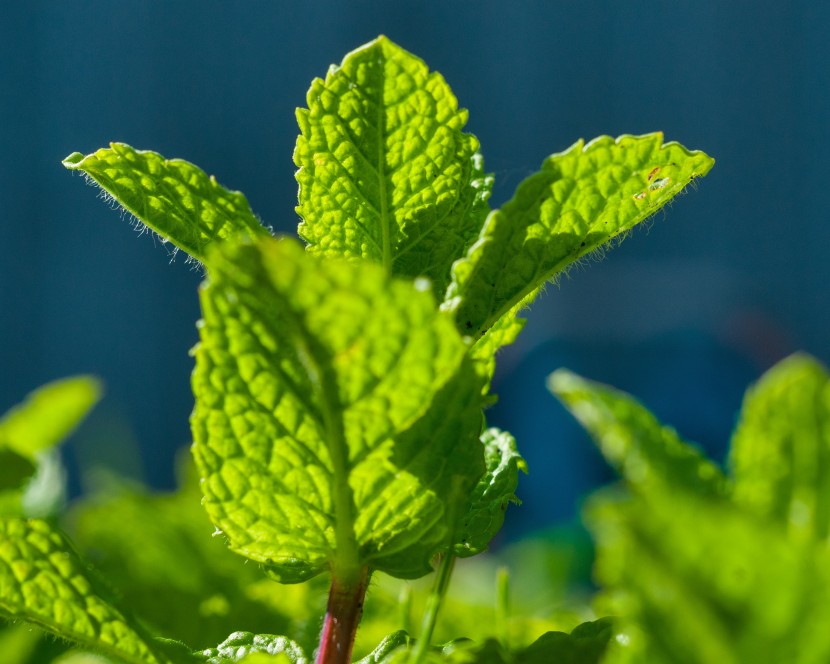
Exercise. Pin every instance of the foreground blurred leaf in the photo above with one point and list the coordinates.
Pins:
(336, 418)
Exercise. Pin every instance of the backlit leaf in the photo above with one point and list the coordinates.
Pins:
(385, 170)
(489, 499)
(174, 198)
(336, 413)
(42, 581)
(240, 646)
(577, 202)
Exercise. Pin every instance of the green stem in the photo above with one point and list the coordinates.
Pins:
(343, 614)
(503, 607)
(434, 601)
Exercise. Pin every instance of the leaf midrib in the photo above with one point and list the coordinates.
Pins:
(381, 167)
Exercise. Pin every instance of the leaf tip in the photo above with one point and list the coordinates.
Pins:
(73, 160)
(562, 381)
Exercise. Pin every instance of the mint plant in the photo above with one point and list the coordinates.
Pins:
(339, 425)
(703, 565)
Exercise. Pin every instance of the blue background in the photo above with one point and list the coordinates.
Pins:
(684, 313)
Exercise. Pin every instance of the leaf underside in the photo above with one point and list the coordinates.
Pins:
(44, 582)
(580, 199)
(300, 358)
(492, 494)
(174, 198)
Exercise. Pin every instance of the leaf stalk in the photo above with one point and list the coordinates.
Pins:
(345, 608)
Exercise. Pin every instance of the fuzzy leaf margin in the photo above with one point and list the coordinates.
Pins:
(174, 198)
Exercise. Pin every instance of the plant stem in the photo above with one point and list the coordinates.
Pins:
(343, 614)
(503, 607)
(434, 601)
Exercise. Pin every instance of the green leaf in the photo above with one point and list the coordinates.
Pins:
(18, 643)
(75, 657)
(489, 499)
(385, 171)
(781, 448)
(503, 333)
(15, 470)
(648, 455)
(48, 415)
(395, 641)
(335, 413)
(173, 575)
(262, 658)
(586, 644)
(174, 198)
(578, 201)
(697, 581)
(239, 645)
(43, 581)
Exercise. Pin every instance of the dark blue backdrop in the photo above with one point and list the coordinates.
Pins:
(683, 313)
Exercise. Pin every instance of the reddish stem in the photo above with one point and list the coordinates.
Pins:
(343, 614)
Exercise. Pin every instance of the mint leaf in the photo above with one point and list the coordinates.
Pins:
(578, 201)
(174, 198)
(15, 470)
(173, 575)
(31, 474)
(696, 580)
(503, 333)
(383, 651)
(643, 451)
(385, 171)
(489, 498)
(48, 415)
(586, 644)
(781, 448)
(335, 413)
(42, 581)
(240, 645)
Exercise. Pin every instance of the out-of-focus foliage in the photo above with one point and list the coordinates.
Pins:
(702, 567)
(176, 576)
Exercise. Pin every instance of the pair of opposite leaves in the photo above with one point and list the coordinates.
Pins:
(338, 417)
